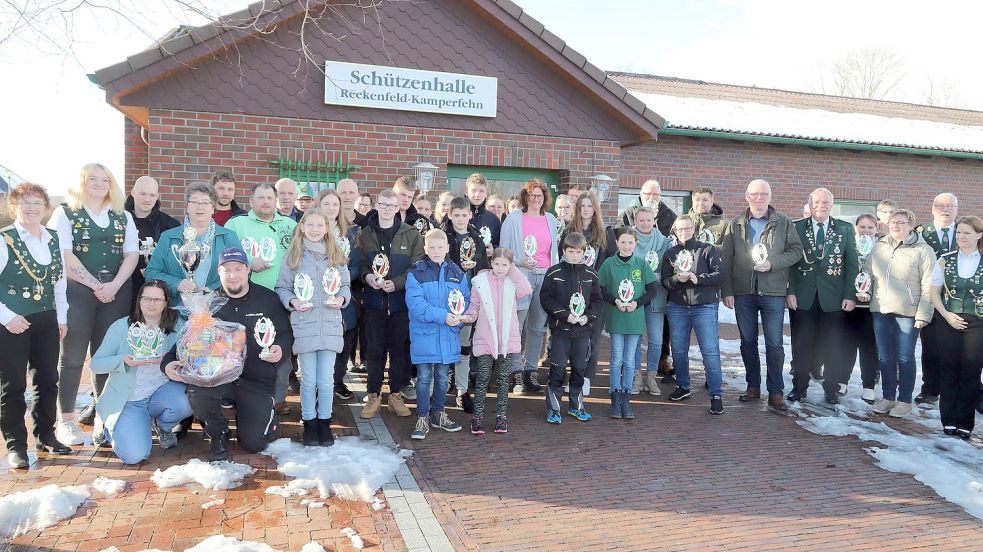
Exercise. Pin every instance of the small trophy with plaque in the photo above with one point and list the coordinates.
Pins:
(265, 333)
(652, 258)
(863, 283)
(590, 255)
(759, 254)
(267, 249)
(145, 341)
(380, 267)
(706, 236)
(485, 235)
(331, 281)
(468, 252)
(578, 306)
(422, 225)
(456, 304)
(147, 246)
(684, 262)
(626, 291)
(865, 244)
(304, 289)
(189, 253)
(530, 246)
(345, 245)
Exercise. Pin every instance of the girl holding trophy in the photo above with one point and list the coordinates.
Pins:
(315, 285)
(859, 322)
(627, 284)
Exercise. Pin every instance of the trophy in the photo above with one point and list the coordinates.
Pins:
(147, 246)
(530, 246)
(468, 251)
(759, 254)
(331, 281)
(577, 305)
(485, 235)
(422, 225)
(304, 289)
(455, 303)
(590, 255)
(345, 245)
(188, 254)
(145, 341)
(267, 249)
(684, 262)
(865, 244)
(652, 258)
(264, 332)
(863, 283)
(251, 247)
(626, 291)
(706, 236)
(380, 267)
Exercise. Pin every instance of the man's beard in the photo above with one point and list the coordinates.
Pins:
(234, 291)
(226, 204)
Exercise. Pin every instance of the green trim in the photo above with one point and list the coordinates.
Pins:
(827, 144)
(316, 172)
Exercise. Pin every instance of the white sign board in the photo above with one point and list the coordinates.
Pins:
(381, 87)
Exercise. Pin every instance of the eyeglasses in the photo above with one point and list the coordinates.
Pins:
(531, 196)
(31, 204)
(759, 194)
(387, 205)
(200, 203)
(943, 205)
(899, 223)
(152, 300)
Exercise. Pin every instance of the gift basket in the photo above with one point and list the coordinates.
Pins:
(211, 351)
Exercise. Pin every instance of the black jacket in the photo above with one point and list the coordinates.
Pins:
(610, 248)
(403, 245)
(559, 284)
(150, 227)
(454, 240)
(707, 267)
(483, 217)
(258, 302)
(664, 217)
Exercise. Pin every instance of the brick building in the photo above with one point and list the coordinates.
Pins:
(226, 97)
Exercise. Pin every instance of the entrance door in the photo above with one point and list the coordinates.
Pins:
(506, 182)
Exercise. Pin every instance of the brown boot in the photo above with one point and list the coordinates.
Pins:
(397, 406)
(776, 403)
(752, 394)
(372, 406)
(664, 366)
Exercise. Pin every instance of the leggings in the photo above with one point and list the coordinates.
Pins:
(503, 367)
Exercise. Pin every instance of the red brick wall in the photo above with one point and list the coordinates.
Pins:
(187, 146)
(682, 163)
(135, 153)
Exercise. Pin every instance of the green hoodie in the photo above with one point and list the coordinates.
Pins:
(280, 229)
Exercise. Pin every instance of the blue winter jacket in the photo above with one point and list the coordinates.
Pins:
(427, 287)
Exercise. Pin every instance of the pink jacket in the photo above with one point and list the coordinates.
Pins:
(493, 301)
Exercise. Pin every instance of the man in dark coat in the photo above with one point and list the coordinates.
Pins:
(144, 204)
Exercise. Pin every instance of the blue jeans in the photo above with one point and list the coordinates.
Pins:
(431, 385)
(683, 320)
(772, 309)
(316, 384)
(131, 436)
(623, 348)
(653, 352)
(896, 336)
(532, 321)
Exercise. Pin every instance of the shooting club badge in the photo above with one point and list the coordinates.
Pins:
(145, 341)
(577, 304)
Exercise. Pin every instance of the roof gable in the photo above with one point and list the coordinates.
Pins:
(545, 88)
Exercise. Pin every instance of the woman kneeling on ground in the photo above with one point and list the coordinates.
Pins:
(138, 397)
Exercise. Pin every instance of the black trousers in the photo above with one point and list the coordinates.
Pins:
(387, 333)
(255, 424)
(665, 341)
(817, 340)
(858, 338)
(341, 359)
(574, 351)
(959, 371)
(931, 354)
(33, 352)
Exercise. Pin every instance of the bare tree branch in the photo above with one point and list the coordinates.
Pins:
(869, 73)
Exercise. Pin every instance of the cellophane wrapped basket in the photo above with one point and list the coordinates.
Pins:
(211, 351)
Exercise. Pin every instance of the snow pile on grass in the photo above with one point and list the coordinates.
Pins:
(953, 468)
(108, 486)
(221, 543)
(214, 476)
(353, 536)
(351, 468)
(39, 509)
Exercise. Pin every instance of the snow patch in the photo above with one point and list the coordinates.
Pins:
(108, 486)
(214, 476)
(221, 543)
(39, 509)
(217, 502)
(312, 547)
(350, 468)
(353, 536)
(378, 504)
(311, 503)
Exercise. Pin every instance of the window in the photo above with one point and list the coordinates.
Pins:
(848, 209)
(506, 182)
(319, 170)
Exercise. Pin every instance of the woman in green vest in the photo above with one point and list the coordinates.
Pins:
(100, 247)
(957, 293)
(33, 312)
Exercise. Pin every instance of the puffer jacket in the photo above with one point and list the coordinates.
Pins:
(427, 288)
(321, 328)
(902, 277)
(784, 250)
(493, 301)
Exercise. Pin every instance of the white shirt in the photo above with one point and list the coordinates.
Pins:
(946, 244)
(967, 265)
(815, 227)
(59, 221)
(38, 248)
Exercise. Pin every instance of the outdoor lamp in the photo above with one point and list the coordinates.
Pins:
(426, 173)
(602, 183)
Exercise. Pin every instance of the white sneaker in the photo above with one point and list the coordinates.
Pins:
(636, 383)
(882, 406)
(652, 382)
(867, 395)
(69, 433)
(900, 410)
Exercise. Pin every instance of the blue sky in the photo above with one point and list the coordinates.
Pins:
(55, 121)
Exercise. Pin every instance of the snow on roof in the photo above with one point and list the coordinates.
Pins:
(815, 124)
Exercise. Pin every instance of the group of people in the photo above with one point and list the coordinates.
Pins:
(465, 295)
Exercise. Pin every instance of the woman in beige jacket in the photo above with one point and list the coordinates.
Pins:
(901, 265)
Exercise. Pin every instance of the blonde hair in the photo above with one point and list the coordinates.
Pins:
(435, 234)
(335, 255)
(75, 198)
(342, 222)
(438, 213)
